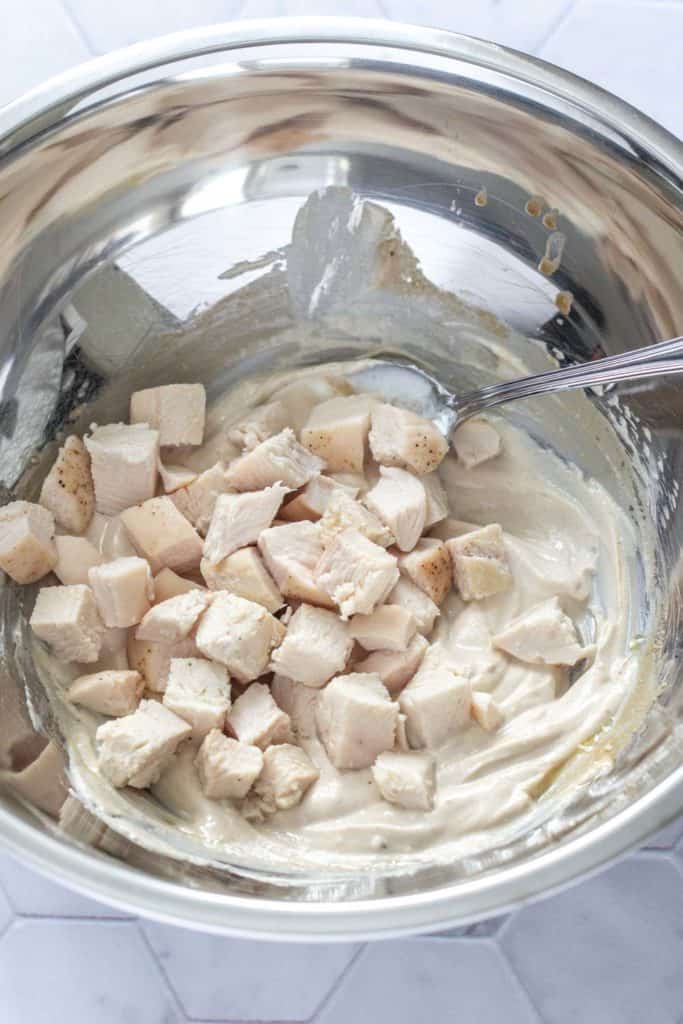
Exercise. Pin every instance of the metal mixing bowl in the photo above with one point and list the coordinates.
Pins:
(128, 185)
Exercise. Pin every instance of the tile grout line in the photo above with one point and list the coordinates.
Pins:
(163, 975)
(517, 981)
(554, 27)
(75, 22)
(337, 984)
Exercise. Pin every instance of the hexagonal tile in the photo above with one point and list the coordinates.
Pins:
(485, 929)
(99, 971)
(414, 979)
(667, 837)
(607, 950)
(217, 978)
(48, 42)
(30, 893)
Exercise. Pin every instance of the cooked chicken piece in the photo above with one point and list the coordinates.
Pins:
(437, 499)
(291, 553)
(135, 749)
(287, 773)
(301, 395)
(344, 513)
(543, 635)
(198, 691)
(197, 501)
(75, 558)
(317, 646)
(227, 769)
(449, 528)
(436, 702)
(177, 411)
(337, 431)
(173, 477)
(400, 501)
(174, 619)
(312, 502)
(480, 564)
(389, 628)
(357, 574)
(476, 441)
(114, 692)
(280, 459)
(356, 720)
(123, 463)
(67, 619)
(401, 734)
(258, 425)
(243, 573)
(395, 668)
(153, 660)
(169, 584)
(239, 519)
(429, 567)
(411, 597)
(486, 711)
(401, 438)
(357, 482)
(27, 548)
(239, 634)
(406, 779)
(68, 490)
(256, 719)
(299, 702)
(123, 589)
(162, 535)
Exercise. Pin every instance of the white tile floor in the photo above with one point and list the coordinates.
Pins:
(609, 951)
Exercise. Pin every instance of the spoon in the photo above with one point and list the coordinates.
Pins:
(408, 385)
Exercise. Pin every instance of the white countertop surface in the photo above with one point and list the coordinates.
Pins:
(609, 951)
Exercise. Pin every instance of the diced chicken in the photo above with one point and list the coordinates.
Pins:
(256, 719)
(27, 548)
(239, 634)
(291, 553)
(543, 635)
(114, 692)
(243, 573)
(406, 779)
(299, 702)
(317, 646)
(429, 567)
(449, 528)
(239, 520)
(134, 750)
(169, 584)
(280, 459)
(258, 425)
(123, 590)
(287, 774)
(401, 734)
(352, 481)
(395, 668)
(480, 563)
(437, 499)
(436, 703)
(476, 441)
(68, 490)
(337, 431)
(174, 619)
(162, 535)
(177, 411)
(76, 556)
(153, 660)
(399, 500)
(413, 599)
(357, 574)
(344, 513)
(174, 477)
(486, 711)
(198, 691)
(356, 720)
(301, 395)
(197, 501)
(227, 769)
(67, 619)
(123, 463)
(314, 499)
(389, 628)
(401, 438)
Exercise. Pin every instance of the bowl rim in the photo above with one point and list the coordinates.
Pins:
(97, 875)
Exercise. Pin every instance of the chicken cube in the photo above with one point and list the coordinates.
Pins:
(304, 392)
(287, 774)
(199, 692)
(123, 463)
(197, 501)
(314, 499)
(317, 646)
(411, 597)
(399, 437)
(436, 703)
(256, 719)
(113, 692)
(68, 490)
(291, 553)
(162, 535)
(356, 720)
(169, 584)
(344, 513)
(406, 779)
(299, 702)
(227, 769)
(239, 519)
(280, 459)
(67, 619)
(389, 628)
(398, 499)
(437, 500)
(337, 431)
(449, 528)
(27, 547)
(174, 619)
(76, 556)
(543, 635)
(177, 411)
(357, 574)
(153, 660)
(480, 564)
(239, 634)
(476, 441)
(486, 711)
(395, 668)
(258, 425)
(123, 590)
(244, 574)
(173, 477)
(429, 567)
(134, 750)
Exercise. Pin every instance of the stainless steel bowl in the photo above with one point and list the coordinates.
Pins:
(128, 185)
